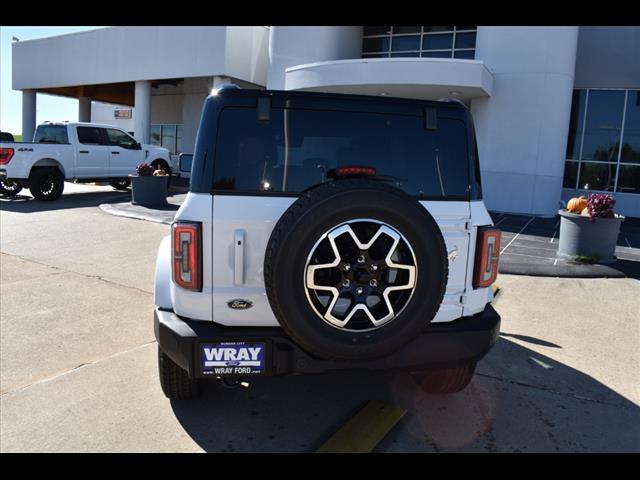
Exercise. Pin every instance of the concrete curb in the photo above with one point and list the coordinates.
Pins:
(137, 212)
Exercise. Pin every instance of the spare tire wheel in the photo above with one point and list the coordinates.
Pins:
(355, 269)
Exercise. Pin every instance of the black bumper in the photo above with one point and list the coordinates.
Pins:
(440, 345)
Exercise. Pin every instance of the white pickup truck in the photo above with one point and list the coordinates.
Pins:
(81, 152)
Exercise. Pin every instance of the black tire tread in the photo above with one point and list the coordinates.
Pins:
(447, 380)
(116, 185)
(9, 193)
(175, 382)
(36, 177)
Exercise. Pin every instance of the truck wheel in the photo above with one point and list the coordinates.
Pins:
(175, 382)
(120, 184)
(46, 184)
(355, 269)
(9, 188)
(446, 380)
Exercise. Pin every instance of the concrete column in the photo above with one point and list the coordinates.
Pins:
(84, 109)
(28, 115)
(522, 128)
(142, 117)
(290, 46)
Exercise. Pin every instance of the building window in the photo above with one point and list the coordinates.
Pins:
(603, 147)
(435, 42)
(167, 136)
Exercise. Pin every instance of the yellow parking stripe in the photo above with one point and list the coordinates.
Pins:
(365, 430)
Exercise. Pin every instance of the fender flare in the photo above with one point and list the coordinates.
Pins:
(47, 162)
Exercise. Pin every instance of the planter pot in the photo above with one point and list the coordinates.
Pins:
(149, 191)
(580, 237)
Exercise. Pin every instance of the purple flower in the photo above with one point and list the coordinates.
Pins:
(600, 205)
(144, 170)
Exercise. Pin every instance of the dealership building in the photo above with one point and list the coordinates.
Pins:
(556, 109)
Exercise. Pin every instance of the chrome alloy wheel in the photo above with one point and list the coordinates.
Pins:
(360, 275)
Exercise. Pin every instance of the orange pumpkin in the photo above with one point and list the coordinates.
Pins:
(577, 204)
(585, 212)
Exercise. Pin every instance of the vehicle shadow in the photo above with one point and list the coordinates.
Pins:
(527, 338)
(27, 204)
(518, 401)
(630, 268)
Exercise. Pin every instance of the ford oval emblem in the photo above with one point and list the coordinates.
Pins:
(239, 304)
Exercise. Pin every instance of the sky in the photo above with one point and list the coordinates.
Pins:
(48, 107)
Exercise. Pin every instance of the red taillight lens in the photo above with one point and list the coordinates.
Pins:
(5, 155)
(355, 170)
(487, 255)
(187, 255)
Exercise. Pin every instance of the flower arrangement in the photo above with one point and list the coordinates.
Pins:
(598, 205)
(144, 170)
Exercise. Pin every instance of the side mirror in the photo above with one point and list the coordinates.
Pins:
(138, 146)
(184, 162)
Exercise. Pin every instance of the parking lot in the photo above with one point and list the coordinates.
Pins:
(529, 246)
(78, 359)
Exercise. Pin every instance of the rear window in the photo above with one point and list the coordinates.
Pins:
(296, 148)
(51, 134)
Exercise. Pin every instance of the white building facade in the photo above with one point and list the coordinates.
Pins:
(556, 109)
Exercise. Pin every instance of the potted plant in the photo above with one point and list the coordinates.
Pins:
(149, 186)
(589, 229)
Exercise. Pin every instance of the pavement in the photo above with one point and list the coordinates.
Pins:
(158, 215)
(78, 368)
(529, 246)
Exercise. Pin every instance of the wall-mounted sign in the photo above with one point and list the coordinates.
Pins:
(122, 113)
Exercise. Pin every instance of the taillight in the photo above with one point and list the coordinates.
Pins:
(187, 255)
(5, 155)
(487, 255)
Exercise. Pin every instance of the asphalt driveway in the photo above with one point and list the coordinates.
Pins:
(78, 359)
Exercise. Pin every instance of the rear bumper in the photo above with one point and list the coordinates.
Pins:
(453, 343)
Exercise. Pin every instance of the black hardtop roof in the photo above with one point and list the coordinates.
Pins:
(347, 97)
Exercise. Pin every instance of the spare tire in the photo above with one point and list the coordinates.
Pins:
(355, 269)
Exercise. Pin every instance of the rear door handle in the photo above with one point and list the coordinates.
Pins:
(115, 153)
(83, 151)
(238, 264)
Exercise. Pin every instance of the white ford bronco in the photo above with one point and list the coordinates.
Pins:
(324, 232)
(81, 152)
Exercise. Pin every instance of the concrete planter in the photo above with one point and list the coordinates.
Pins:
(580, 237)
(149, 191)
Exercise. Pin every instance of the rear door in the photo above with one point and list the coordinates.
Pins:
(124, 153)
(92, 152)
(261, 167)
